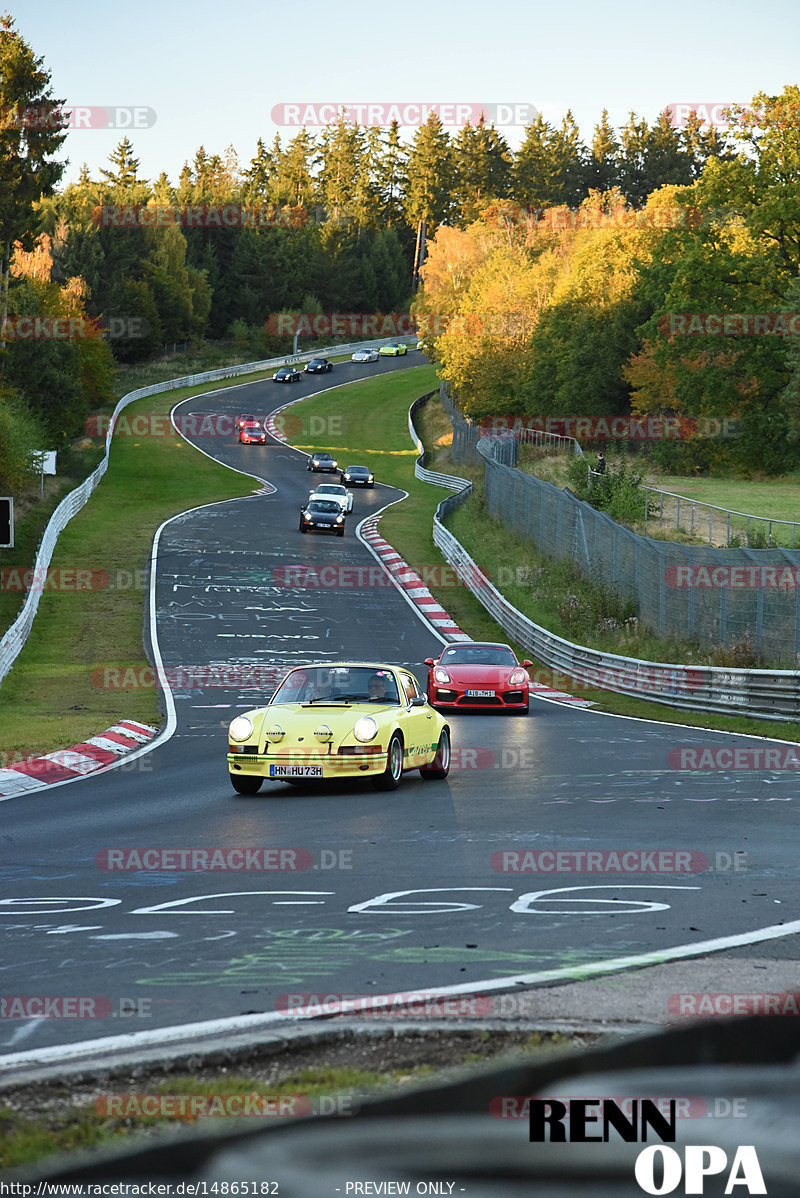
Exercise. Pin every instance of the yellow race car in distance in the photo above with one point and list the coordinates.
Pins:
(340, 720)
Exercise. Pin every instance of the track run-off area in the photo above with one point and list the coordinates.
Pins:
(562, 845)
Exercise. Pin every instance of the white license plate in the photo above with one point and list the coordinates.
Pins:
(480, 694)
(295, 771)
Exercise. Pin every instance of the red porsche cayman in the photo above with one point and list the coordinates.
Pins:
(478, 675)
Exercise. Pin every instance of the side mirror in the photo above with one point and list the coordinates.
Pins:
(429, 661)
(418, 701)
(527, 663)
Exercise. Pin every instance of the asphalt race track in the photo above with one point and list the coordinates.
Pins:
(403, 890)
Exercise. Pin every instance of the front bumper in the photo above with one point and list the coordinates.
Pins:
(455, 699)
(333, 765)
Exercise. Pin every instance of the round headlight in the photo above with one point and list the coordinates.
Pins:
(440, 675)
(365, 729)
(274, 734)
(517, 677)
(323, 733)
(241, 728)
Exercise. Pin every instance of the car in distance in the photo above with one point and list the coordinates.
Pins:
(365, 355)
(318, 366)
(321, 461)
(244, 417)
(334, 491)
(357, 476)
(252, 431)
(339, 720)
(394, 350)
(478, 675)
(322, 514)
(287, 374)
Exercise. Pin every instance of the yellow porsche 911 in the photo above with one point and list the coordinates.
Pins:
(340, 720)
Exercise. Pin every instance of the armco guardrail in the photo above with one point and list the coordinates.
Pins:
(16, 636)
(771, 694)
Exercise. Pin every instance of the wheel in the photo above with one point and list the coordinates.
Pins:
(246, 784)
(523, 710)
(302, 527)
(340, 532)
(390, 778)
(440, 766)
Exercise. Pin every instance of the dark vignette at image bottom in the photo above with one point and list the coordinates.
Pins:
(442, 1139)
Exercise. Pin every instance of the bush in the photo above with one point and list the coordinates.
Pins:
(20, 434)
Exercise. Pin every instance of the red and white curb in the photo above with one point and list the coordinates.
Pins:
(85, 758)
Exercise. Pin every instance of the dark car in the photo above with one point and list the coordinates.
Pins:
(319, 366)
(357, 476)
(252, 431)
(321, 461)
(287, 374)
(325, 514)
(478, 675)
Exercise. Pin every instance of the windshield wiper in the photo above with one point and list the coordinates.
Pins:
(336, 699)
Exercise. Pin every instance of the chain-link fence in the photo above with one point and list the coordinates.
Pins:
(717, 596)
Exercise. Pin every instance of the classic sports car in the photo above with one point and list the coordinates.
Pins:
(364, 355)
(357, 476)
(321, 461)
(318, 366)
(333, 491)
(324, 514)
(340, 720)
(478, 674)
(252, 431)
(287, 374)
(393, 351)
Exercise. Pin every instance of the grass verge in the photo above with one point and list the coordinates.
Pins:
(45, 1119)
(50, 697)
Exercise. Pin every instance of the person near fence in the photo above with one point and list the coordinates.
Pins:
(600, 468)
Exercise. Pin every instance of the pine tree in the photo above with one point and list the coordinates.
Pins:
(27, 169)
(430, 184)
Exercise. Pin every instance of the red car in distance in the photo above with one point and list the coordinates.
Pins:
(478, 676)
(251, 430)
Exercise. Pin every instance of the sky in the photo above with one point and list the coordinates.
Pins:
(213, 74)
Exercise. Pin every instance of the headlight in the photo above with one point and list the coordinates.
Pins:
(340, 519)
(440, 675)
(323, 733)
(517, 677)
(241, 728)
(365, 729)
(275, 733)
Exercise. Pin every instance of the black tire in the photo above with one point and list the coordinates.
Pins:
(302, 527)
(246, 784)
(340, 532)
(440, 767)
(523, 710)
(390, 778)
(372, 486)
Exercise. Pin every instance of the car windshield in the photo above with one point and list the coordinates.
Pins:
(323, 505)
(322, 457)
(356, 470)
(331, 489)
(478, 655)
(351, 684)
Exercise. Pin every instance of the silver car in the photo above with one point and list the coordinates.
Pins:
(365, 355)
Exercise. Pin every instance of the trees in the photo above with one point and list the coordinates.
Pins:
(431, 177)
(31, 132)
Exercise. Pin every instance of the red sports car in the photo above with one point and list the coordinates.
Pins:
(478, 675)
